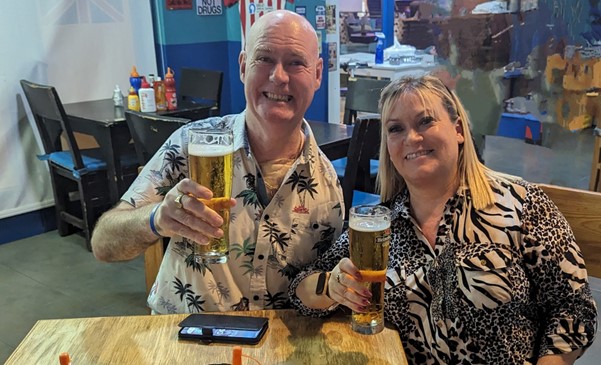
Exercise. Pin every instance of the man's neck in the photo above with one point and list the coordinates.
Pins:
(274, 142)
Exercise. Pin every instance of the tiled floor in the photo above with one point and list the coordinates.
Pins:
(48, 276)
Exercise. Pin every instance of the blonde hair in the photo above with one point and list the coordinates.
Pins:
(471, 172)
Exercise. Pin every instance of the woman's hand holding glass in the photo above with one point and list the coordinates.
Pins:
(347, 288)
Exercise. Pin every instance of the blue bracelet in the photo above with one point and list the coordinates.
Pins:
(153, 228)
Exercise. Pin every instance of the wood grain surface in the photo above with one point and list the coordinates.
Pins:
(290, 339)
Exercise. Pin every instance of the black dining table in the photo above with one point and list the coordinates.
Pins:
(106, 123)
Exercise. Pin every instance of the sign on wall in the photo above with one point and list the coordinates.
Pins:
(178, 4)
(209, 7)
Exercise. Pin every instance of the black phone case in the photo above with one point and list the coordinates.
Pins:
(208, 322)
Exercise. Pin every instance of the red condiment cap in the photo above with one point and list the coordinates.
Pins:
(237, 355)
(64, 359)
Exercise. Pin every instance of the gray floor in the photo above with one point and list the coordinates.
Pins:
(48, 276)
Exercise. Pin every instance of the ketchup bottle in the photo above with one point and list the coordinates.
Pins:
(170, 95)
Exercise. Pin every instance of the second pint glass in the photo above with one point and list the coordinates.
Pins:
(369, 239)
(211, 165)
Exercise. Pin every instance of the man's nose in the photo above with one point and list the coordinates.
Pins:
(278, 74)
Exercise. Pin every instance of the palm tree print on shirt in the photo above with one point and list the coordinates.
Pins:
(248, 249)
(276, 301)
(193, 301)
(303, 184)
(172, 160)
(326, 237)
(249, 194)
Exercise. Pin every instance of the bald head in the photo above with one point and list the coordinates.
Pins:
(296, 23)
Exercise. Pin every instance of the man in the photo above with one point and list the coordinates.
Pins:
(288, 203)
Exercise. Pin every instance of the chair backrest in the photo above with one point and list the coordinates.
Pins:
(362, 95)
(582, 209)
(150, 131)
(201, 86)
(365, 145)
(374, 8)
(51, 119)
(595, 182)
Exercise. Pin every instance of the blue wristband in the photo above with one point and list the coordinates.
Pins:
(153, 228)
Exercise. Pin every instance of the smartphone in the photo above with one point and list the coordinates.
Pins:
(223, 328)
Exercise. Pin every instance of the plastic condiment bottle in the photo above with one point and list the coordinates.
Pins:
(133, 102)
(134, 79)
(170, 95)
(147, 102)
(380, 47)
(64, 359)
(117, 96)
(159, 94)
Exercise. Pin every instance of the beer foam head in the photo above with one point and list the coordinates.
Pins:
(367, 224)
(209, 150)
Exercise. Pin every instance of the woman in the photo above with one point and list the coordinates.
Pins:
(483, 267)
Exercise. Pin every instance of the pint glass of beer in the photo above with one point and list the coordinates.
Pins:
(369, 236)
(211, 165)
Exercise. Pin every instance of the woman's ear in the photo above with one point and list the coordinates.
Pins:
(459, 131)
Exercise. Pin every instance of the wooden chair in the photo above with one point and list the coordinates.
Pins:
(149, 133)
(582, 209)
(198, 86)
(79, 178)
(362, 95)
(364, 146)
(595, 182)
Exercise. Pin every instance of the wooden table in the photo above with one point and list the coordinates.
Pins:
(332, 139)
(106, 123)
(290, 339)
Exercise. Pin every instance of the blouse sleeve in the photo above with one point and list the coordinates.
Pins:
(326, 262)
(556, 267)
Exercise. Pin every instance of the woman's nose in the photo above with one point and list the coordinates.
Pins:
(278, 74)
(413, 136)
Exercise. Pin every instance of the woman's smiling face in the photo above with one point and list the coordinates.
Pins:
(422, 140)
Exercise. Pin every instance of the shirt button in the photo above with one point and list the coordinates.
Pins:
(256, 297)
(483, 262)
(261, 257)
(266, 217)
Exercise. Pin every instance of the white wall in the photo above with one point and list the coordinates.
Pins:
(81, 47)
(350, 5)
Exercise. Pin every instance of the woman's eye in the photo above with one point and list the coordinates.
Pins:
(426, 120)
(394, 129)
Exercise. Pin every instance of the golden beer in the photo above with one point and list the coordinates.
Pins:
(369, 238)
(211, 165)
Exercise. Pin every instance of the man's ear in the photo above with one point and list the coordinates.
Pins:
(459, 130)
(242, 63)
(318, 73)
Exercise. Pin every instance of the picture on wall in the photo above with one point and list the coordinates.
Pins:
(331, 19)
(332, 56)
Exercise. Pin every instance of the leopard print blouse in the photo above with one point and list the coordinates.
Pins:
(503, 285)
